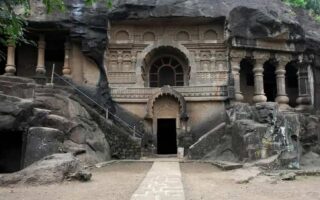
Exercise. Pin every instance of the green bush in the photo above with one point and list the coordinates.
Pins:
(312, 5)
(296, 3)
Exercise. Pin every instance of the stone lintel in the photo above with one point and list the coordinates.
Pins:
(188, 99)
(274, 45)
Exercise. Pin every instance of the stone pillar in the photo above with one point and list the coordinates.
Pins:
(40, 69)
(197, 59)
(259, 95)
(304, 99)
(212, 60)
(10, 69)
(282, 97)
(236, 57)
(66, 66)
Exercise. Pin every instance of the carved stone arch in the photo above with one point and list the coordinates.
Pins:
(122, 35)
(210, 35)
(148, 36)
(190, 58)
(167, 91)
(183, 36)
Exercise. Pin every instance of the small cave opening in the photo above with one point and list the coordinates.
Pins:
(11, 151)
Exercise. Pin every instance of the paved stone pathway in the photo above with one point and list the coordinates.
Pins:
(162, 182)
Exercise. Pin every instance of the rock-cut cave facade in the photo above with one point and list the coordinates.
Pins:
(177, 76)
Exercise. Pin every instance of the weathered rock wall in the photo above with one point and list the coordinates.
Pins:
(56, 120)
(51, 169)
(258, 132)
(207, 142)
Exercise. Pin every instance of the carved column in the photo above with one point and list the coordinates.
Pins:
(120, 60)
(282, 97)
(259, 95)
(133, 59)
(40, 69)
(212, 60)
(133, 65)
(10, 69)
(304, 99)
(236, 57)
(66, 66)
(197, 59)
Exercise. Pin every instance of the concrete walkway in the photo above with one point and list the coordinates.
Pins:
(162, 182)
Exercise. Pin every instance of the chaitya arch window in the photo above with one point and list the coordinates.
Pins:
(166, 70)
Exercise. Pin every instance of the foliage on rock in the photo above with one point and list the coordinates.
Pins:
(13, 13)
(312, 5)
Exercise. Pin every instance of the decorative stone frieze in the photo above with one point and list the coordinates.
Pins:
(187, 92)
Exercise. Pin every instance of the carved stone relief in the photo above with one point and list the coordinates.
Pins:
(209, 57)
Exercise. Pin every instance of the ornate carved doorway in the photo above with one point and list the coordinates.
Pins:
(167, 114)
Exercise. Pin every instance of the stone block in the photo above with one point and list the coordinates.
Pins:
(41, 142)
(247, 139)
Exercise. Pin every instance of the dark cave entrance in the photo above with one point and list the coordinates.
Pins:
(3, 57)
(54, 54)
(247, 79)
(270, 82)
(11, 151)
(167, 136)
(292, 83)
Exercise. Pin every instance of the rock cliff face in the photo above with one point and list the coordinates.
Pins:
(63, 124)
(259, 132)
(249, 19)
(37, 121)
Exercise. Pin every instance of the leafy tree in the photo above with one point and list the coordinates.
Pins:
(12, 23)
(313, 5)
(296, 3)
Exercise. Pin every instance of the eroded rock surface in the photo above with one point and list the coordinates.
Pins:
(56, 120)
(265, 136)
(51, 169)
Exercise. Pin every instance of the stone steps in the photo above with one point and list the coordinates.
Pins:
(17, 86)
(16, 79)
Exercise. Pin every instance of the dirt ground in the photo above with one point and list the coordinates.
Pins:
(206, 182)
(201, 182)
(114, 182)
